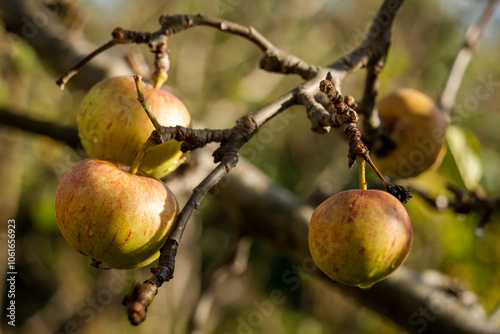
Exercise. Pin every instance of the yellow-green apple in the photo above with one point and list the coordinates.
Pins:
(417, 129)
(113, 124)
(112, 216)
(359, 237)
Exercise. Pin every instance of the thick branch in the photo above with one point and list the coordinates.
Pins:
(367, 105)
(375, 46)
(62, 133)
(194, 138)
(64, 51)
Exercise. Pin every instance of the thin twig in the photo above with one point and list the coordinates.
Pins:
(465, 202)
(63, 80)
(233, 262)
(367, 105)
(471, 42)
(274, 59)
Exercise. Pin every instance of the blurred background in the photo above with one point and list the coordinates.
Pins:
(217, 77)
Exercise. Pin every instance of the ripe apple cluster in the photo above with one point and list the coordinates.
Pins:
(118, 218)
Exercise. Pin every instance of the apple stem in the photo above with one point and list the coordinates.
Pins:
(362, 175)
(151, 142)
(160, 78)
(144, 103)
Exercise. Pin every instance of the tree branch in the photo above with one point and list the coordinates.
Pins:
(465, 202)
(274, 59)
(373, 48)
(464, 56)
(64, 51)
(367, 106)
(67, 135)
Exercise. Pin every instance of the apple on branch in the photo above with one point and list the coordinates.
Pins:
(116, 218)
(359, 237)
(113, 124)
(417, 132)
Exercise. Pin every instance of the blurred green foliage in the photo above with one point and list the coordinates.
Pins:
(216, 76)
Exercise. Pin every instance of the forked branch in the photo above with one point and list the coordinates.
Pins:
(373, 48)
(273, 60)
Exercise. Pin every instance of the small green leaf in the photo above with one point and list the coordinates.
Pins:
(465, 151)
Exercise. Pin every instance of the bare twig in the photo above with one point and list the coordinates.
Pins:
(63, 80)
(472, 39)
(367, 106)
(373, 50)
(274, 59)
(234, 261)
(465, 202)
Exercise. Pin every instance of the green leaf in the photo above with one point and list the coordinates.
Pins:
(464, 159)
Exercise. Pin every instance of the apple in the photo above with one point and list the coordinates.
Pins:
(113, 124)
(112, 216)
(417, 132)
(359, 237)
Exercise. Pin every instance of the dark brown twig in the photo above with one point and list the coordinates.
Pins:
(465, 202)
(63, 80)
